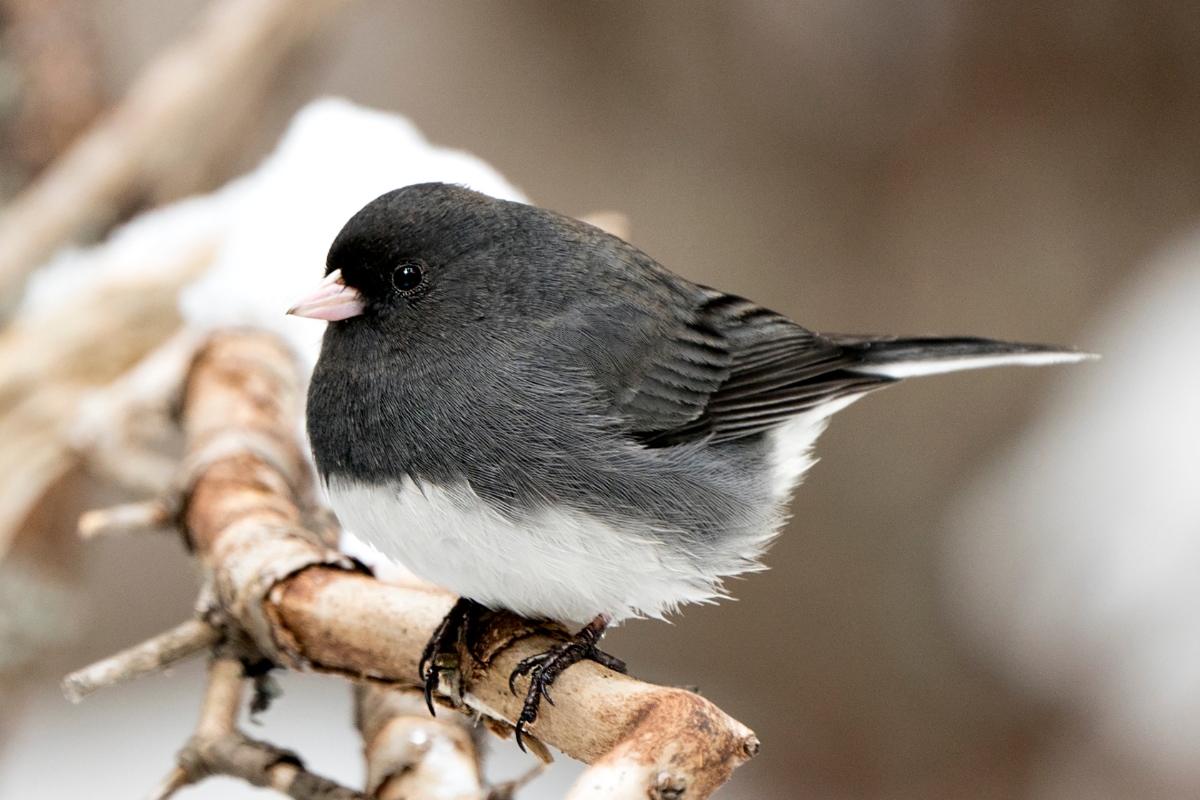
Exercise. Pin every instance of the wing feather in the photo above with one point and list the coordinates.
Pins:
(754, 369)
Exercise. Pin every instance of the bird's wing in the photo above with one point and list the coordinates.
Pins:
(775, 370)
(709, 364)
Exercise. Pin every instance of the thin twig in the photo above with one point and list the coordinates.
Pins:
(222, 698)
(146, 658)
(171, 783)
(219, 748)
(150, 516)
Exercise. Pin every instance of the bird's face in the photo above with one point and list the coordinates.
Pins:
(407, 252)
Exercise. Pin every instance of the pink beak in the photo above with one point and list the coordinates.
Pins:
(332, 300)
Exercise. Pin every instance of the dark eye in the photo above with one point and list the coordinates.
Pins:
(408, 277)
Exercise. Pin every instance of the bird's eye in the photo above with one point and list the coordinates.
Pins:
(408, 277)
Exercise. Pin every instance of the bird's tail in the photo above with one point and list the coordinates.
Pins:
(895, 357)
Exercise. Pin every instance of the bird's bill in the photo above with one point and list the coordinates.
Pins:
(333, 300)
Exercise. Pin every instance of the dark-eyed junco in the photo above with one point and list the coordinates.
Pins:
(538, 417)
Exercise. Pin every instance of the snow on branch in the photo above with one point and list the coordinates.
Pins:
(277, 589)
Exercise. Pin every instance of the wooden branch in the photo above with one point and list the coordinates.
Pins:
(125, 519)
(146, 658)
(128, 434)
(305, 606)
(412, 756)
(219, 748)
(174, 116)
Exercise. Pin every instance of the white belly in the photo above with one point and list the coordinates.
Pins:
(558, 564)
(561, 563)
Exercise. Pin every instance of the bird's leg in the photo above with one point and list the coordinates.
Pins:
(545, 667)
(454, 634)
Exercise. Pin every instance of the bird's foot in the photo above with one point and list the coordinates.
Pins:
(454, 635)
(544, 668)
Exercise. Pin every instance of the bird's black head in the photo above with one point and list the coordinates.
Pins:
(399, 246)
(432, 256)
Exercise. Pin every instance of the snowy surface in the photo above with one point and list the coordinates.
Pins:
(1075, 560)
(147, 245)
(273, 227)
(334, 159)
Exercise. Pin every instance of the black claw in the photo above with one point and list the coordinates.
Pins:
(430, 681)
(522, 721)
(519, 672)
(459, 621)
(543, 669)
(470, 631)
(434, 644)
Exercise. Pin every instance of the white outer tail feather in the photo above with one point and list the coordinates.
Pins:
(936, 366)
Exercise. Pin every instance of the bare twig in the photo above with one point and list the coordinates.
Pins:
(171, 783)
(125, 519)
(127, 431)
(413, 756)
(146, 658)
(219, 748)
(172, 120)
(222, 699)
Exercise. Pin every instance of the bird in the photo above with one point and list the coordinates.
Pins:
(537, 416)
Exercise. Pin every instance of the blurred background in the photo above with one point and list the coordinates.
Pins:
(941, 619)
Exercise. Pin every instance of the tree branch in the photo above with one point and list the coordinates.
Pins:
(219, 748)
(412, 756)
(151, 515)
(146, 658)
(179, 112)
(250, 517)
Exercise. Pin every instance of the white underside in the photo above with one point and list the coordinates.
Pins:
(913, 369)
(557, 563)
(791, 453)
